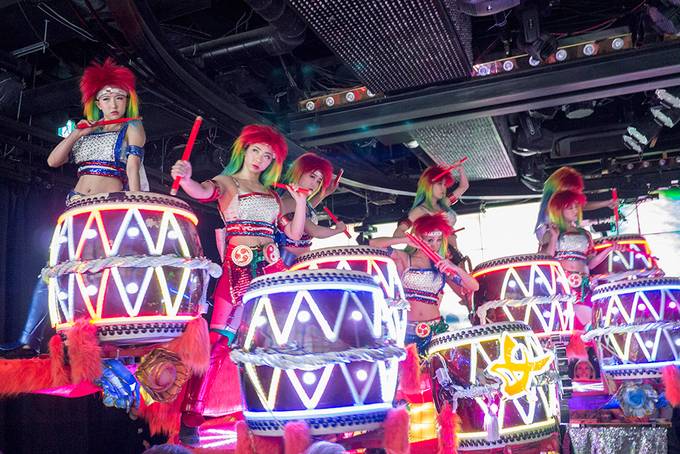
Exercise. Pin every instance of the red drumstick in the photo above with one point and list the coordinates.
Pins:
(615, 198)
(337, 178)
(447, 169)
(334, 219)
(423, 246)
(287, 187)
(106, 122)
(187, 151)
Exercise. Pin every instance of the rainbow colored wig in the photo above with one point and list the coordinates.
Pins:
(561, 200)
(562, 179)
(97, 76)
(424, 192)
(309, 162)
(254, 134)
(431, 224)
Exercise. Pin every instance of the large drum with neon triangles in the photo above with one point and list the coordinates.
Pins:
(130, 263)
(633, 260)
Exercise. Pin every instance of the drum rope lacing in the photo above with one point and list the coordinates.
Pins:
(534, 300)
(625, 329)
(133, 261)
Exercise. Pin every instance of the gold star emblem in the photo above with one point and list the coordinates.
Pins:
(516, 366)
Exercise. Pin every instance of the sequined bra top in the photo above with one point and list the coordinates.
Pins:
(103, 154)
(422, 285)
(573, 246)
(251, 214)
(305, 240)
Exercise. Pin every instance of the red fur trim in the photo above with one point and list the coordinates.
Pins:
(576, 348)
(24, 375)
(163, 418)
(429, 223)
(563, 199)
(431, 172)
(448, 423)
(671, 380)
(97, 76)
(252, 134)
(409, 371)
(243, 442)
(296, 437)
(267, 445)
(193, 346)
(58, 369)
(225, 393)
(85, 355)
(310, 162)
(566, 178)
(396, 431)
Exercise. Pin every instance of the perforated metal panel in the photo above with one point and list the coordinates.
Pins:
(391, 44)
(479, 139)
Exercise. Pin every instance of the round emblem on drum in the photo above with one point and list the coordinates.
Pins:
(575, 280)
(271, 253)
(423, 330)
(241, 255)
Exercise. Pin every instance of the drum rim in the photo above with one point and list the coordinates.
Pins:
(624, 236)
(136, 197)
(288, 277)
(634, 283)
(481, 330)
(512, 259)
(327, 251)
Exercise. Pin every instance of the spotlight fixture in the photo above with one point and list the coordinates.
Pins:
(632, 144)
(646, 131)
(412, 144)
(665, 116)
(538, 45)
(669, 97)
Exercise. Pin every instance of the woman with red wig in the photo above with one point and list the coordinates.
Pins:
(109, 158)
(251, 210)
(424, 281)
(431, 198)
(315, 174)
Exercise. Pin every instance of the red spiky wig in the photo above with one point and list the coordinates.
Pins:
(430, 223)
(559, 201)
(432, 172)
(97, 76)
(310, 162)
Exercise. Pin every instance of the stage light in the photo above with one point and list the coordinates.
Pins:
(666, 116)
(350, 96)
(669, 97)
(508, 65)
(618, 43)
(590, 49)
(561, 55)
(484, 70)
(310, 105)
(634, 145)
(645, 131)
(330, 102)
(412, 144)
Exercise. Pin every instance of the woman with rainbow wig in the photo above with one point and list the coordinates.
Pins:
(431, 198)
(251, 211)
(564, 179)
(314, 173)
(109, 158)
(423, 280)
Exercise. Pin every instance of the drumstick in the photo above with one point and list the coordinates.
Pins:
(423, 246)
(615, 198)
(187, 151)
(337, 178)
(447, 169)
(334, 219)
(106, 122)
(288, 188)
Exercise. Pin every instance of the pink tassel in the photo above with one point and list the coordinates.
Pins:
(58, 369)
(576, 349)
(84, 352)
(296, 438)
(448, 423)
(396, 431)
(409, 371)
(193, 346)
(671, 380)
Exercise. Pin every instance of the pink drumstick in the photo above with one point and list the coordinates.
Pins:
(106, 122)
(423, 246)
(334, 219)
(287, 187)
(447, 169)
(615, 198)
(187, 151)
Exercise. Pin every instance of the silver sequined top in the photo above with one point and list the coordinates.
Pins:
(98, 146)
(252, 206)
(422, 284)
(573, 246)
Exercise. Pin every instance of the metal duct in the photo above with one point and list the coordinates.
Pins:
(483, 140)
(390, 45)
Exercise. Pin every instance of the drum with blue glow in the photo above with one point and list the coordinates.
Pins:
(500, 381)
(319, 346)
(129, 262)
(636, 327)
(531, 288)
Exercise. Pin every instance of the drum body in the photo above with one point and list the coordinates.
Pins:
(635, 260)
(637, 327)
(498, 372)
(120, 260)
(374, 261)
(319, 346)
(529, 288)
